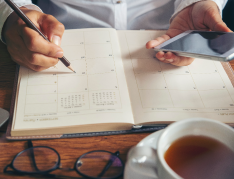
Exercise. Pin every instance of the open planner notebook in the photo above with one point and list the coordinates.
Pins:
(118, 84)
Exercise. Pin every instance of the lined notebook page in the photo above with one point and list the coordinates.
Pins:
(163, 92)
(97, 93)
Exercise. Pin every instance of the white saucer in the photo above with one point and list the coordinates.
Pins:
(151, 140)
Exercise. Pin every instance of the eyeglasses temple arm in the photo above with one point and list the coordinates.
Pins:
(30, 145)
(108, 165)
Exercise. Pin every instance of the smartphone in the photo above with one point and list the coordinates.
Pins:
(201, 44)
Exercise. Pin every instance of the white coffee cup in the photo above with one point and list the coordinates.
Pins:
(147, 163)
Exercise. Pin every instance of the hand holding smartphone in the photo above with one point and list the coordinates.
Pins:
(209, 45)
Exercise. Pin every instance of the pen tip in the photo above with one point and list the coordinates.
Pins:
(74, 71)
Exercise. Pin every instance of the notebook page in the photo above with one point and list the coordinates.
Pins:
(163, 92)
(96, 93)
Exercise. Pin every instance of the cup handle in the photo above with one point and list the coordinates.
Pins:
(141, 163)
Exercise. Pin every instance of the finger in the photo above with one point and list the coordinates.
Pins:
(36, 43)
(220, 26)
(214, 21)
(21, 54)
(41, 60)
(19, 59)
(165, 57)
(30, 66)
(169, 57)
(157, 41)
(33, 61)
(177, 60)
(52, 28)
(37, 67)
(160, 56)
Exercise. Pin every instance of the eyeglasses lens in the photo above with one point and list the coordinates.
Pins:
(35, 160)
(102, 165)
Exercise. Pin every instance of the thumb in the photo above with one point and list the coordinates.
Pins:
(216, 24)
(221, 26)
(52, 28)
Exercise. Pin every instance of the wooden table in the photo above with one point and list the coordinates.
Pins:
(69, 149)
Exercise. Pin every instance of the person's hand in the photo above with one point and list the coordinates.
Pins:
(27, 47)
(203, 15)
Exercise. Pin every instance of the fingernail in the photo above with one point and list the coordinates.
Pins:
(161, 59)
(56, 40)
(170, 60)
(59, 54)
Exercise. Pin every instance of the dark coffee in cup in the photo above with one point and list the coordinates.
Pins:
(200, 157)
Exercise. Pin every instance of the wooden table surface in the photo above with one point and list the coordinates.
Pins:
(69, 149)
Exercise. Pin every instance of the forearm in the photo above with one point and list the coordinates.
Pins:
(5, 11)
(181, 4)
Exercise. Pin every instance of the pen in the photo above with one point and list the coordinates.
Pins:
(32, 26)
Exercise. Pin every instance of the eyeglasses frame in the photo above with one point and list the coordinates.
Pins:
(56, 166)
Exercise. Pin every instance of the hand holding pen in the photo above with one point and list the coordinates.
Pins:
(27, 47)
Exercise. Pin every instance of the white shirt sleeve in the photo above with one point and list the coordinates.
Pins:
(181, 4)
(5, 11)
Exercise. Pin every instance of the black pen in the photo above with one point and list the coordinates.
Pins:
(32, 26)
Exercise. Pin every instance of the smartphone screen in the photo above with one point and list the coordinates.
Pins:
(201, 42)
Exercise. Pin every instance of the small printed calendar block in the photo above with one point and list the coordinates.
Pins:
(73, 101)
(105, 99)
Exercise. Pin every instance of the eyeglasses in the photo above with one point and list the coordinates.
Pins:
(41, 160)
